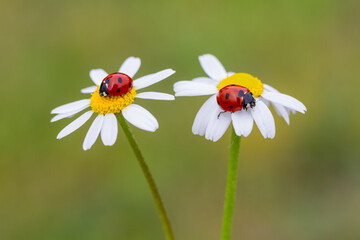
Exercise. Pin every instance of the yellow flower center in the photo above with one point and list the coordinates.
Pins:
(252, 83)
(111, 104)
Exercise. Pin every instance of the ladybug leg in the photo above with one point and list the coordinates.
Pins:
(220, 114)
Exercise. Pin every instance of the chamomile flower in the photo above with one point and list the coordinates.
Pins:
(239, 98)
(113, 94)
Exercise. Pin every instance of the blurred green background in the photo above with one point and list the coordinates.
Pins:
(304, 184)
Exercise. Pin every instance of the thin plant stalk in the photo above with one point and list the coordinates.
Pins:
(149, 179)
(230, 186)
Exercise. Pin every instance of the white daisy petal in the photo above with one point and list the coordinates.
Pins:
(212, 66)
(230, 73)
(269, 88)
(284, 100)
(88, 89)
(140, 118)
(202, 117)
(155, 96)
(191, 88)
(218, 124)
(279, 108)
(243, 123)
(74, 125)
(68, 114)
(282, 111)
(109, 130)
(267, 103)
(62, 116)
(130, 66)
(212, 116)
(71, 107)
(264, 119)
(97, 75)
(93, 132)
(138, 82)
(151, 79)
(205, 80)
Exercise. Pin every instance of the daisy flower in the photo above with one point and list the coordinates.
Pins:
(239, 98)
(113, 94)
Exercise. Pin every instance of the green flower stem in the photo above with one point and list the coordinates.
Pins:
(146, 171)
(230, 186)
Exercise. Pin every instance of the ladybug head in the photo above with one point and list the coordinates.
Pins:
(248, 100)
(104, 87)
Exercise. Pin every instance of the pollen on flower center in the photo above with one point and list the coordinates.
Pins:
(252, 83)
(111, 104)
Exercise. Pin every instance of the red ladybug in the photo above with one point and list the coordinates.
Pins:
(116, 84)
(234, 98)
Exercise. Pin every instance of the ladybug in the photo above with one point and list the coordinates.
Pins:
(234, 98)
(116, 84)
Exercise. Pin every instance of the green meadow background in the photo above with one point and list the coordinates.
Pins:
(304, 184)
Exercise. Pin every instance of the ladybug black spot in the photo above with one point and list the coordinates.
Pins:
(119, 80)
(227, 96)
(218, 102)
(241, 93)
(118, 90)
(129, 84)
(231, 106)
(107, 81)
